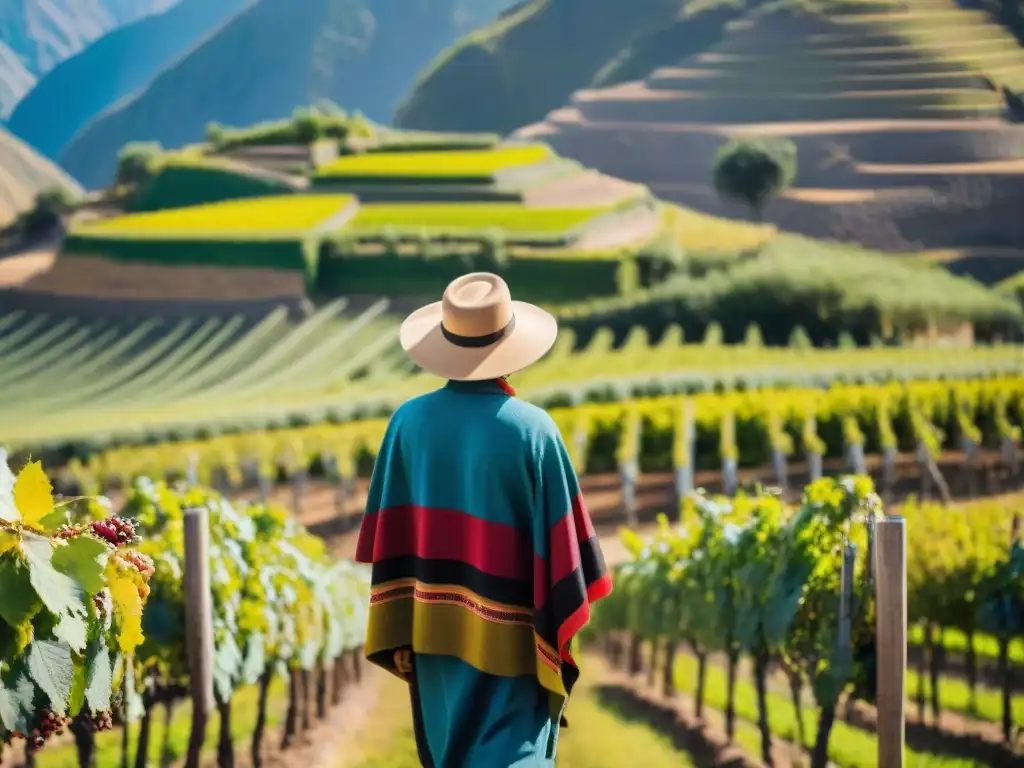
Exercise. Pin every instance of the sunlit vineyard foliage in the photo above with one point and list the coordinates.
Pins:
(71, 607)
(73, 597)
(281, 605)
(751, 577)
(660, 432)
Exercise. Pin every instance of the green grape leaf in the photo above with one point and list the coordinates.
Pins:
(61, 515)
(18, 600)
(227, 664)
(308, 654)
(77, 698)
(16, 701)
(72, 630)
(83, 559)
(99, 676)
(255, 659)
(53, 670)
(59, 593)
(134, 708)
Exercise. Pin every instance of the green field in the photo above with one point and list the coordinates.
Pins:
(472, 216)
(67, 377)
(283, 216)
(456, 163)
(67, 380)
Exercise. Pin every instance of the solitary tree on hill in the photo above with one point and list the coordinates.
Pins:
(137, 161)
(754, 171)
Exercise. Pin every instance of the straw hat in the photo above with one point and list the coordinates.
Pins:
(477, 332)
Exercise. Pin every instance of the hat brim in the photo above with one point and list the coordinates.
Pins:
(532, 336)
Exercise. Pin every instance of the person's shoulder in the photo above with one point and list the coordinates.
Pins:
(533, 421)
(413, 408)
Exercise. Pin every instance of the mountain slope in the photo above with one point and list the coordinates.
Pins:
(524, 65)
(36, 35)
(114, 66)
(23, 173)
(269, 60)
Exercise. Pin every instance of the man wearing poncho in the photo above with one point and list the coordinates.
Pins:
(485, 562)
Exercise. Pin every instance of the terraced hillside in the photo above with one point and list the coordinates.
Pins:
(896, 110)
(379, 222)
(24, 173)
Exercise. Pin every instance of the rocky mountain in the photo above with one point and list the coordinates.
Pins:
(271, 59)
(113, 67)
(36, 35)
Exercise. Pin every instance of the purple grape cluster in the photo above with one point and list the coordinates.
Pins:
(114, 530)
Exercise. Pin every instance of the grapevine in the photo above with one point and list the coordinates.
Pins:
(895, 415)
(71, 600)
(279, 601)
(752, 576)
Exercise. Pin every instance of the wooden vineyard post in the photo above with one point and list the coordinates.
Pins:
(888, 472)
(813, 449)
(782, 446)
(581, 441)
(926, 477)
(1009, 455)
(628, 477)
(684, 455)
(970, 449)
(891, 629)
(780, 469)
(629, 468)
(854, 439)
(299, 487)
(198, 628)
(729, 452)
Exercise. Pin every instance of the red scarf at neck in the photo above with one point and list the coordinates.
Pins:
(506, 387)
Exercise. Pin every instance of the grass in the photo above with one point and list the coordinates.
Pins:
(849, 747)
(278, 215)
(243, 721)
(955, 696)
(985, 646)
(478, 216)
(597, 737)
(711, 239)
(468, 162)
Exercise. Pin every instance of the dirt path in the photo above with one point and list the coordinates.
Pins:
(19, 269)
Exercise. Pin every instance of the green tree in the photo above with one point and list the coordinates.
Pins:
(307, 124)
(51, 205)
(754, 171)
(137, 161)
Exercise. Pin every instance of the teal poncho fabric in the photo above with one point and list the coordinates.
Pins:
(485, 564)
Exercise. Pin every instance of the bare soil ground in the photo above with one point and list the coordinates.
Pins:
(584, 190)
(100, 278)
(628, 229)
(17, 270)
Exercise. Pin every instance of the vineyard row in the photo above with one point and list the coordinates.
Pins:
(727, 430)
(792, 589)
(95, 615)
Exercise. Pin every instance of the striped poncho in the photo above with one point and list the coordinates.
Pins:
(481, 546)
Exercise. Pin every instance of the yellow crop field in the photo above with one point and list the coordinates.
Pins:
(477, 216)
(280, 215)
(702, 234)
(468, 162)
